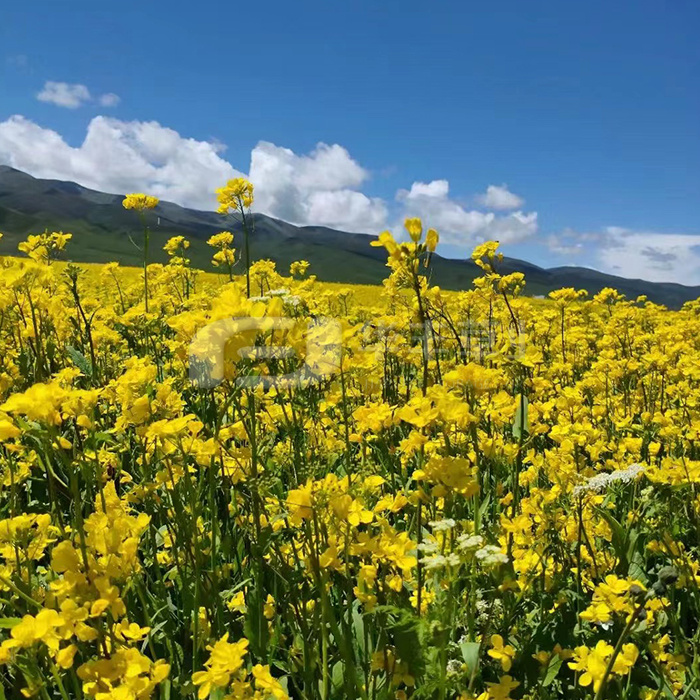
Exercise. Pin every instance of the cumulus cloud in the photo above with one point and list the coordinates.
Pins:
(109, 99)
(320, 188)
(500, 198)
(118, 156)
(568, 242)
(74, 95)
(657, 257)
(512, 228)
(69, 95)
(457, 225)
(648, 255)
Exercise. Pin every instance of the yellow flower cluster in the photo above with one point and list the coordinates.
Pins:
(236, 195)
(394, 492)
(140, 202)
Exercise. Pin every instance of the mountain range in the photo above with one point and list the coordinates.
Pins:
(103, 230)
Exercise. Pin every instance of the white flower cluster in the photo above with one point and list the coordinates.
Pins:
(469, 543)
(442, 525)
(428, 547)
(283, 293)
(438, 561)
(454, 666)
(601, 482)
(485, 609)
(490, 555)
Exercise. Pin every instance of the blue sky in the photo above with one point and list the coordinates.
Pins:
(589, 111)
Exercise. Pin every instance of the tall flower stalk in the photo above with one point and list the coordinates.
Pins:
(237, 196)
(140, 203)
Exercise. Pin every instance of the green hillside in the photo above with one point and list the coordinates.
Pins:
(102, 231)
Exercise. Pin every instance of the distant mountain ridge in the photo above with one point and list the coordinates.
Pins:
(102, 228)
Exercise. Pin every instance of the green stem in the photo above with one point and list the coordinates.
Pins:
(625, 633)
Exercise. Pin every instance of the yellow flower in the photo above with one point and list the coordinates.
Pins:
(140, 202)
(593, 662)
(415, 228)
(300, 502)
(299, 268)
(130, 630)
(269, 607)
(501, 652)
(8, 430)
(225, 660)
(221, 240)
(176, 245)
(266, 683)
(65, 656)
(236, 195)
(237, 602)
(502, 689)
(431, 240)
(386, 240)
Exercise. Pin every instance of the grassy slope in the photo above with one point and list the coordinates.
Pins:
(103, 230)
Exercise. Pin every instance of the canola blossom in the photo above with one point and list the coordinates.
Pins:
(464, 495)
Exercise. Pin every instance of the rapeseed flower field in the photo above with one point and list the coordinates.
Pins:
(261, 486)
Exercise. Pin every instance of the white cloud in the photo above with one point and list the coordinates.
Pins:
(66, 95)
(457, 225)
(74, 95)
(568, 242)
(320, 188)
(118, 156)
(515, 227)
(657, 257)
(648, 255)
(500, 198)
(323, 187)
(436, 189)
(109, 100)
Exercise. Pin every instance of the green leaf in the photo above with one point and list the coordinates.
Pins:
(7, 623)
(338, 674)
(619, 537)
(636, 568)
(406, 637)
(358, 624)
(521, 417)
(79, 360)
(101, 436)
(552, 669)
(484, 506)
(470, 654)
(255, 624)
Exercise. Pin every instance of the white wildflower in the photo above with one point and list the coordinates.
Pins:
(490, 555)
(454, 666)
(601, 482)
(428, 547)
(442, 525)
(436, 561)
(467, 543)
